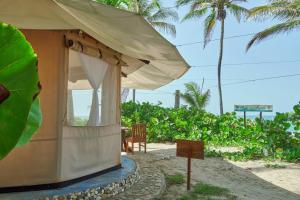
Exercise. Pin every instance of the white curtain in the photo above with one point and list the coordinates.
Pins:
(95, 70)
(109, 98)
(124, 94)
(70, 110)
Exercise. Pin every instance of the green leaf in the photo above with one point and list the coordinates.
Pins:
(18, 75)
(33, 123)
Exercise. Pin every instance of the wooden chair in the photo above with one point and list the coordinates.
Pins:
(138, 136)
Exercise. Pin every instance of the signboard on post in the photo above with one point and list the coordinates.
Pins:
(253, 108)
(190, 149)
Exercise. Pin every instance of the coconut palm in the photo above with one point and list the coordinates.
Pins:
(287, 11)
(214, 11)
(195, 96)
(152, 10)
(156, 15)
(123, 4)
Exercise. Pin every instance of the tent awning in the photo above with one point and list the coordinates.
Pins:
(125, 32)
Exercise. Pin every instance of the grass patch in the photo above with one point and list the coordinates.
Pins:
(275, 166)
(210, 190)
(205, 192)
(213, 153)
(185, 198)
(176, 179)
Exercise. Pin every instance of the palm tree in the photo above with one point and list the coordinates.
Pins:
(155, 14)
(215, 11)
(195, 97)
(153, 11)
(123, 4)
(287, 11)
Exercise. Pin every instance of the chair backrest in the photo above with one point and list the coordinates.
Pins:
(139, 132)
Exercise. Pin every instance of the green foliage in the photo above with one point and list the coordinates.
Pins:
(207, 191)
(213, 11)
(275, 166)
(156, 15)
(286, 12)
(123, 4)
(152, 11)
(175, 179)
(79, 121)
(195, 97)
(19, 78)
(272, 139)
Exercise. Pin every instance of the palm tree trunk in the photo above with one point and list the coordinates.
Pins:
(220, 66)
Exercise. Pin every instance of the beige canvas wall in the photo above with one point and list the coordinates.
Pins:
(87, 150)
(58, 153)
(36, 162)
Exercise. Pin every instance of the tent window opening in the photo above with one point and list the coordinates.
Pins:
(89, 91)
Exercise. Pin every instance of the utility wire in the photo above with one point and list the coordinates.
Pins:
(258, 79)
(248, 63)
(159, 92)
(200, 42)
(211, 79)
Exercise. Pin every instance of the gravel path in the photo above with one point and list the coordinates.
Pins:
(151, 184)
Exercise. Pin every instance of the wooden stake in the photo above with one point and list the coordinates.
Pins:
(133, 95)
(260, 116)
(177, 98)
(189, 170)
(245, 119)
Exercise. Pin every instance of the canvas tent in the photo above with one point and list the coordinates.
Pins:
(122, 31)
(83, 45)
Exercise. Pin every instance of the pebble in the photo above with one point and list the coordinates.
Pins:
(150, 183)
(98, 193)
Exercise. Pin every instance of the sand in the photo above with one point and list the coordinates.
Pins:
(250, 180)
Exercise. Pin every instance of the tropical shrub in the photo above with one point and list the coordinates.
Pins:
(274, 139)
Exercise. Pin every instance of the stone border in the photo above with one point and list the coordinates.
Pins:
(101, 192)
(151, 185)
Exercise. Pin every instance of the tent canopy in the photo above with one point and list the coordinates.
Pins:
(123, 31)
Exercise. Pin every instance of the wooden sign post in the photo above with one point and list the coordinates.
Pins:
(190, 149)
(253, 108)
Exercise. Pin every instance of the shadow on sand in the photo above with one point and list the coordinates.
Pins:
(222, 173)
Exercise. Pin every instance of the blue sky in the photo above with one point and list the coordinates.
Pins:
(281, 93)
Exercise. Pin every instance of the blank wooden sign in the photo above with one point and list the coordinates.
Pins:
(190, 149)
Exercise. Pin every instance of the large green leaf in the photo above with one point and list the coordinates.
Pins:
(19, 85)
(33, 123)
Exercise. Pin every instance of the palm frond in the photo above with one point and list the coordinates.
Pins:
(274, 30)
(209, 24)
(195, 14)
(282, 10)
(203, 99)
(155, 14)
(184, 2)
(164, 27)
(151, 7)
(192, 87)
(194, 97)
(122, 4)
(206, 98)
(164, 14)
(237, 11)
(200, 5)
(188, 98)
(238, 1)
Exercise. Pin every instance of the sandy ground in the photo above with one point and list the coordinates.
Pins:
(247, 180)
